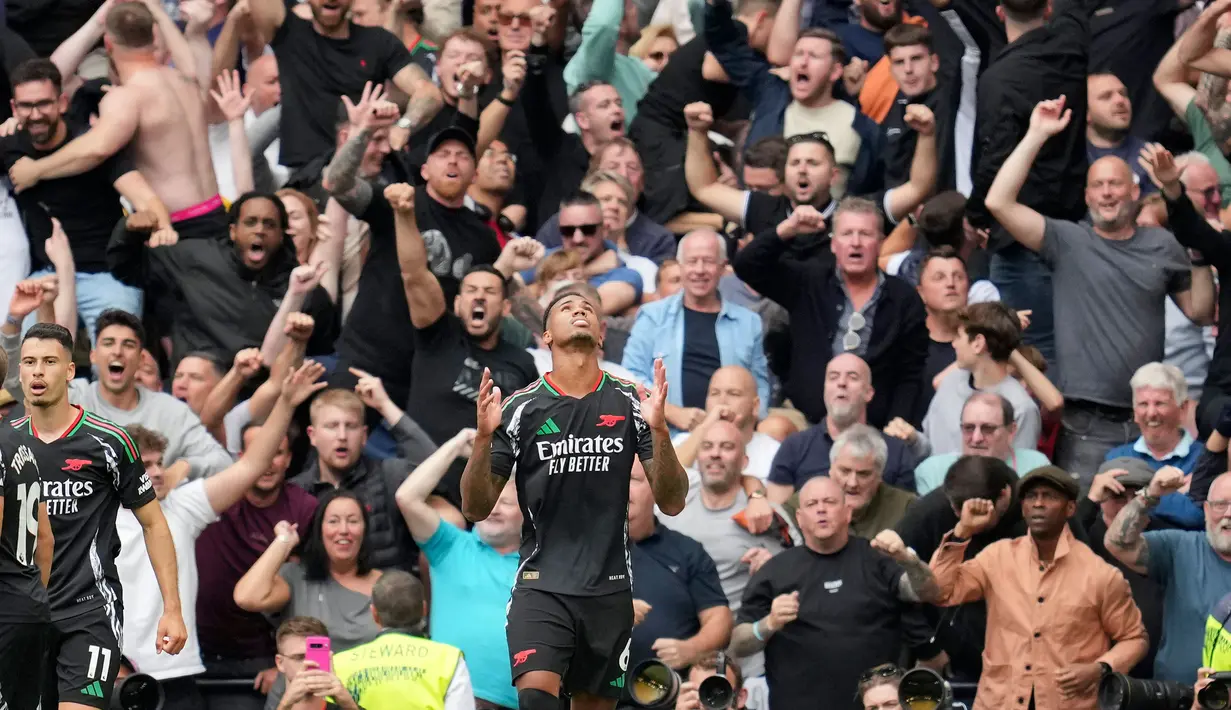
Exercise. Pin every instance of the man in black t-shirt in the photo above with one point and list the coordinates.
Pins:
(87, 205)
(328, 56)
(25, 567)
(89, 467)
(570, 437)
(453, 348)
(834, 603)
(378, 336)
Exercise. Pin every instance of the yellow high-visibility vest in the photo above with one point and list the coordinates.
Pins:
(397, 670)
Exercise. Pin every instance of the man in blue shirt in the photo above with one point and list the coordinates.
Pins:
(1160, 395)
(1194, 568)
(471, 572)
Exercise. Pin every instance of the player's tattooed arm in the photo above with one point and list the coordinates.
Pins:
(667, 477)
(480, 486)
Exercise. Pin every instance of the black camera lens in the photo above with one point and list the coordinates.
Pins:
(923, 688)
(715, 693)
(1119, 692)
(137, 692)
(1215, 696)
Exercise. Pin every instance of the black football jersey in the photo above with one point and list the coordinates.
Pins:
(86, 474)
(572, 460)
(22, 594)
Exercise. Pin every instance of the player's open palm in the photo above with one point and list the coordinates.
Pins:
(488, 406)
(172, 634)
(654, 403)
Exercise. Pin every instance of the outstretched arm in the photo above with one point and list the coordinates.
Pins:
(1024, 223)
(341, 177)
(425, 101)
(423, 291)
(116, 126)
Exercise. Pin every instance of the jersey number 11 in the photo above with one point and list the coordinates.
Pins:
(27, 521)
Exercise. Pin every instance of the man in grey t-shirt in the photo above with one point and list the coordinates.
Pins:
(1110, 280)
(715, 496)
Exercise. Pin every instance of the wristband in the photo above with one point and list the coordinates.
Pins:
(13, 321)
(1148, 500)
(756, 631)
(501, 99)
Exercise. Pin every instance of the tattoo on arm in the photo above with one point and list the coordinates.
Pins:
(1125, 534)
(667, 477)
(918, 584)
(420, 110)
(1212, 89)
(480, 487)
(343, 171)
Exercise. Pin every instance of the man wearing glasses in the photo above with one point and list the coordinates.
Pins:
(988, 429)
(1194, 568)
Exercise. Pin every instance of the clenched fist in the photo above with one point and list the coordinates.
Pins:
(401, 197)
(921, 119)
(699, 116)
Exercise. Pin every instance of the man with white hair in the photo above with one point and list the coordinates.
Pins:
(857, 463)
(471, 572)
(1193, 568)
(1160, 403)
(695, 332)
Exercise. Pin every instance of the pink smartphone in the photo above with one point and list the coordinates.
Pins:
(318, 652)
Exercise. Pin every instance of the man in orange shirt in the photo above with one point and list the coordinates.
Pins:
(1059, 618)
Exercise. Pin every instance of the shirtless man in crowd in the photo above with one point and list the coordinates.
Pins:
(157, 110)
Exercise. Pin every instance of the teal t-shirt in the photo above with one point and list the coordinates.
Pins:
(930, 472)
(1194, 579)
(471, 585)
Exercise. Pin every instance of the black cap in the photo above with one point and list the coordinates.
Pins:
(451, 133)
(1053, 476)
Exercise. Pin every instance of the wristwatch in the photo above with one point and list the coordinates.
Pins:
(1149, 500)
(758, 493)
(403, 123)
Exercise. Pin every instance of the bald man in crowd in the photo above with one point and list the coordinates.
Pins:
(1110, 281)
(732, 397)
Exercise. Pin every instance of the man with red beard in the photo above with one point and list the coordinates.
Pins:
(1110, 281)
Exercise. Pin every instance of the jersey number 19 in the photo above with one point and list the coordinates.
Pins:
(27, 521)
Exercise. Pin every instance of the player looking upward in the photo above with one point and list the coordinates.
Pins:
(571, 437)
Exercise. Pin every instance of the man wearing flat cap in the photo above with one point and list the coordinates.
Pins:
(1059, 618)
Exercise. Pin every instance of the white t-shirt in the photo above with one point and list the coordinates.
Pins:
(188, 511)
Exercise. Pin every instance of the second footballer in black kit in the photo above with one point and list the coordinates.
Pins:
(88, 467)
(570, 438)
(25, 565)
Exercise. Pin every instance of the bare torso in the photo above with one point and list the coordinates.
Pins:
(171, 148)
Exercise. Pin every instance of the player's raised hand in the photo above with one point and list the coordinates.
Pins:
(301, 384)
(654, 403)
(489, 412)
(172, 634)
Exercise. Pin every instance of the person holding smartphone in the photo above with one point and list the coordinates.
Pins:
(309, 682)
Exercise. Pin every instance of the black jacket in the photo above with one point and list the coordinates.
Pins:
(376, 482)
(565, 160)
(812, 294)
(1192, 231)
(222, 305)
(1041, 64)
(961, 630)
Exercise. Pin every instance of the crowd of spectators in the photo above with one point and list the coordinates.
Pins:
(935, 409)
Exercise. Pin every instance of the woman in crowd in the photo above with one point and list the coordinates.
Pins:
(332, 579)
(878, 688)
